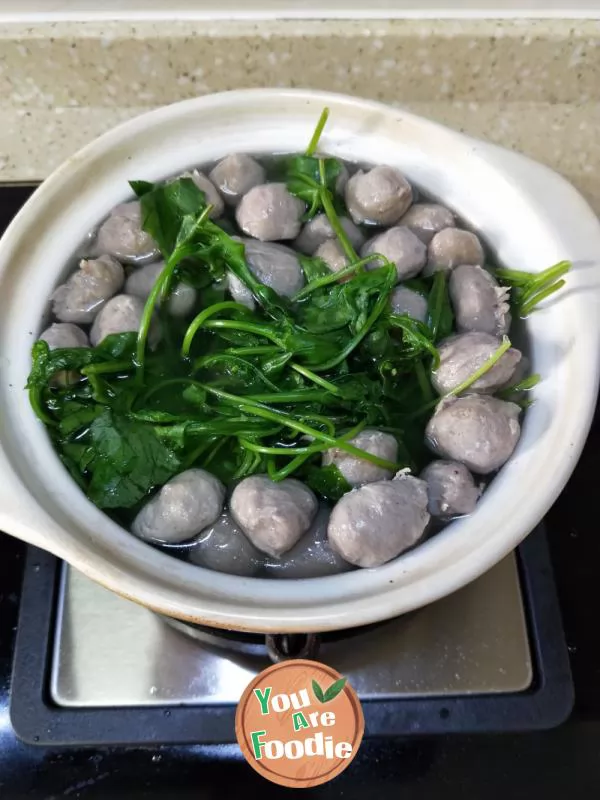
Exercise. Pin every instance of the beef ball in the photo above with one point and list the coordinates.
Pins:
(377, 522)
(479, 431)
(270, 213)
(183, 507)
(378, 197)
(273, 515)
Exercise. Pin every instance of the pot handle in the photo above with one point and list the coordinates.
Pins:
(21, 516)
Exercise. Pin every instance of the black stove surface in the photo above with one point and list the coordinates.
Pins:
(554, 764)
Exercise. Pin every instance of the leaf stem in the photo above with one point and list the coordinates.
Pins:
(184, 244)
(205, 361)
(300, 396)
(164, 384)
(314, 141)
(437, 296)
(528, 307)
(256, 409)
(462, 387)
(200, 450)
(335, 223)
(335, 277)
(260, 350)
(107, 366)
(279, 451)
(533, 287)
(378, 309)
(311, 376)
(249, 327)
(280, 474)
(266, 413)
(296, 463)
(423, 380)
(485, 367)
(214, 451)
(521, 278)
(202, 317)
(522, 386)
(176, 257)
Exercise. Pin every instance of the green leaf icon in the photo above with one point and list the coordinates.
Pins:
(318, 692)
(329, 694)
(334, 690)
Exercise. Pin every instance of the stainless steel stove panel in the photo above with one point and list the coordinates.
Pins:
(111, 652)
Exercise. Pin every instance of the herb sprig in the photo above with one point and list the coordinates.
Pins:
(529, 289)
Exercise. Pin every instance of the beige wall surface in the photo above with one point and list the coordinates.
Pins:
(127, 9)
(532, 85)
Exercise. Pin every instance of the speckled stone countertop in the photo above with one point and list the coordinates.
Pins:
(530, 85)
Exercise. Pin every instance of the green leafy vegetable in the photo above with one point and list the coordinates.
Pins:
(125, 461)
(314, 180)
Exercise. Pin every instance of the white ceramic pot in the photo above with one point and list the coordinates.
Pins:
(530, 217)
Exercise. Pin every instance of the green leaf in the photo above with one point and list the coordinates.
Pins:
(195, 395)
(117, 346)
(47, 362)
(169, 210)
(128, 461)
(313, 268)
(74, 470)
(199, 273)
(310, 349)
(307, 168)
(525, 385)
(362, 292)
(274, 367)
(318, 692)
(233, 254)
(333, 691)
(416, 338)
(346, 304)
(141, 187)
(234, 373)
(325, 310)
(327, 481)
(78, 416)
(40, 353)
(303, 177)
(308, 191)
